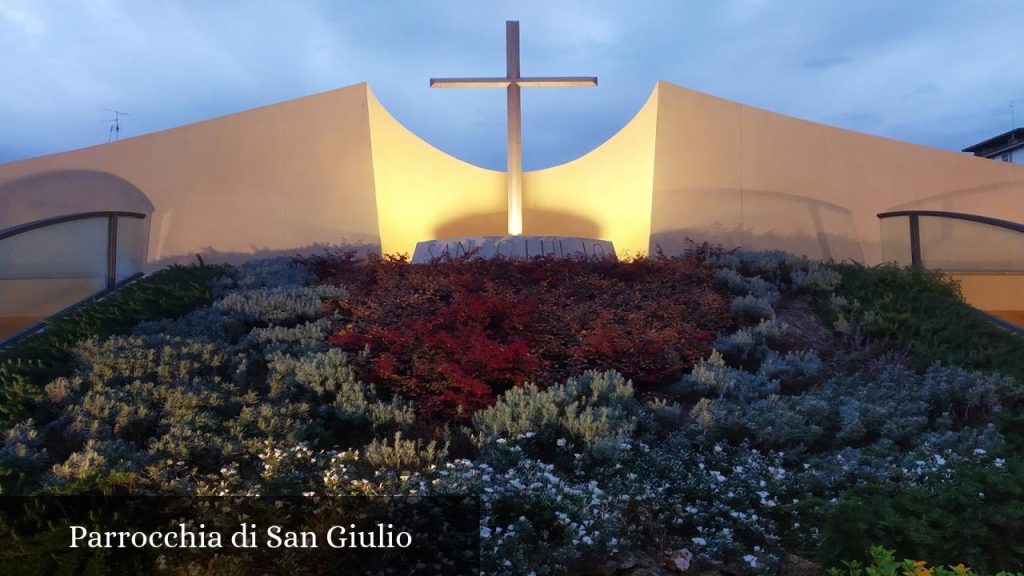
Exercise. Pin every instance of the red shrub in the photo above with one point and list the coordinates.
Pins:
(452, 335)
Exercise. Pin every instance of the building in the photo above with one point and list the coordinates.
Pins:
(336, 169)
(1007, 147)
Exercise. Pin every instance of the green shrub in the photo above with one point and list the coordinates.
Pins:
(30, 362)
(923, 311)
(974, 515)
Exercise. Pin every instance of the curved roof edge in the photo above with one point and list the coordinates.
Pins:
(649, 101)
(371, 98)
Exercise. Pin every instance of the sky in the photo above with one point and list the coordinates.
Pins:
(940, 73)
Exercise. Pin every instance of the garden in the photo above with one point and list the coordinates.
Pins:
(721, 412)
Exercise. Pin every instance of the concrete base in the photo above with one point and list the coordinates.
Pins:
(513, 247)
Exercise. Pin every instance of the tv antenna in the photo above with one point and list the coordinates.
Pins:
(115, 124)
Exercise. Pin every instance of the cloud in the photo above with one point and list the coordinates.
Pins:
(826, 62)
(20, 17)
(894, 69)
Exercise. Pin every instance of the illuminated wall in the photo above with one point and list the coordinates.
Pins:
(605, 194)
(748, 177)
(423, 193)
(280, 179)
(336, 169)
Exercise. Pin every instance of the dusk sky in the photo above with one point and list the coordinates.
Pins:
(938, 73)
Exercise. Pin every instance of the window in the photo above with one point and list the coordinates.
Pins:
(1006, 156)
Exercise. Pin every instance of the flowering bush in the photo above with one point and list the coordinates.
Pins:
(574, 475)
(451, 335)
(602, 411)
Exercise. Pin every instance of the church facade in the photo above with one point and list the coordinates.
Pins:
(337, 169)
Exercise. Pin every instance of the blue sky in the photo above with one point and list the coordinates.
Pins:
(939, 73)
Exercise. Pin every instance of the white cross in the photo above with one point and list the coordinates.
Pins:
(513, 82)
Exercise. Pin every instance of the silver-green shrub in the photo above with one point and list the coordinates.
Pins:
(267, 273)
(594, 414)
(752, 307)
(279, 305)
(333, 383)
(785, 271)
(294, 340)
(749, 346)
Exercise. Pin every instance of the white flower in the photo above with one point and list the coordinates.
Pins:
(750, 559)
(561, 442)
(485, 532)
(979, 451)
(699, 541)
(939, 460)
(718, 449)
(999, 462)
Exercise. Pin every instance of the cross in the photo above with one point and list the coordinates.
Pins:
(513, 82)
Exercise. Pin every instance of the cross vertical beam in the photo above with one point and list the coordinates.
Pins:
(513, 82)
(515, 130)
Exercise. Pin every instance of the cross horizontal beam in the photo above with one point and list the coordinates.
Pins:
(535, 82)
(512, 82)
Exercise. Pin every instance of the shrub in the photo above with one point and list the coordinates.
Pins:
(349, 408)
(278, 305)
(30, 362)
(403, 456)
(884, 563)
(593, 415)
(277, 272)
(786, 272)
(452, 335)
(923, 311)
(752, 307)
(293, 340)
(852, 427)
(974, 516)
(749, 346)
(181, 397)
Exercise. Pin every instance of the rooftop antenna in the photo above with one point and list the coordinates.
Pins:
(115, 127)
(1013, 119)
